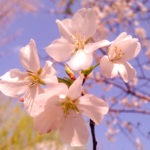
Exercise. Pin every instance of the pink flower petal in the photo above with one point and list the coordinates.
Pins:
(64, 27)
(83, 20)
(80, 60)
(48, 74)
(107, 67)
(31, 105)
(60, 50)
(68, 24)
(51, 117)
(75, 89)
(12, 89)
(130, 48)
(29, 57)
(121, 36)
(93, 107)
(31, 96)
(125, 46)
(127, 72)
(12, 83)
(91, 47)
(74, 130)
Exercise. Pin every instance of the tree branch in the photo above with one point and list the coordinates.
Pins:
(92, 126)
(129, 111)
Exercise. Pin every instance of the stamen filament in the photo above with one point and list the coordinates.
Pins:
(69, 105)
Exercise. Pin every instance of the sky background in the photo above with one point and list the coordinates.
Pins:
(42, 28)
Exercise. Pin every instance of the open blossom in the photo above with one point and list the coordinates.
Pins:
(63, 108)
(122, 49)
(14, 82)
(75, 41)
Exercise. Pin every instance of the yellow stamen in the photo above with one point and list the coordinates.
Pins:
(79, 42)
(35, 77)
(69, 105)
(117, 53)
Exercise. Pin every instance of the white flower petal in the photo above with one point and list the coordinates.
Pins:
(80, 60)
(84, 22)
(64, 29)
(125, 46)
(56, 89)
(75, 89)
(108, 69)
(48, 69)
(137, 51)
(91, 47)
(121, 36)
(12, 83)
(74, 130)
(68, 24)
(126, 71)
(60, 49)
(93, 107)
(130, 48)
(12, 89)
(51, 117)
(48, 74)
(13, 75)
(30, 104)
(29, 57)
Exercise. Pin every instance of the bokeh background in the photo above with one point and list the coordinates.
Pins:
(127, 125)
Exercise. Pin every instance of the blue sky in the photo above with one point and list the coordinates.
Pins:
(42, 28)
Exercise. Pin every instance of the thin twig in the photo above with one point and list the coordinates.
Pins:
(129, 111)
(92, 126)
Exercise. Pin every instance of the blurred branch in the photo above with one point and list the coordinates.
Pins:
(129, 111)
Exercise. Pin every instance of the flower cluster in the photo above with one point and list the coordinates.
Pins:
(60, 103)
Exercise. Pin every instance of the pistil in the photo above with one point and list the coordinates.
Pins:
(69, 105)
(35, 77)
(117, 54)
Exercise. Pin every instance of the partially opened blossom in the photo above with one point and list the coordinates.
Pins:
(122, 49)
(75, 41)
(64, 109)
(15, 82)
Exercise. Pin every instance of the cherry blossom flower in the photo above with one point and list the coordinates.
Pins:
(122, 49)
(14, 82)
(63, 108)
(75, 41)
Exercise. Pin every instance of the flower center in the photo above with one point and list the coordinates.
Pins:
(35, 77)
(80, 41)
(69, 105)
(115, 54)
